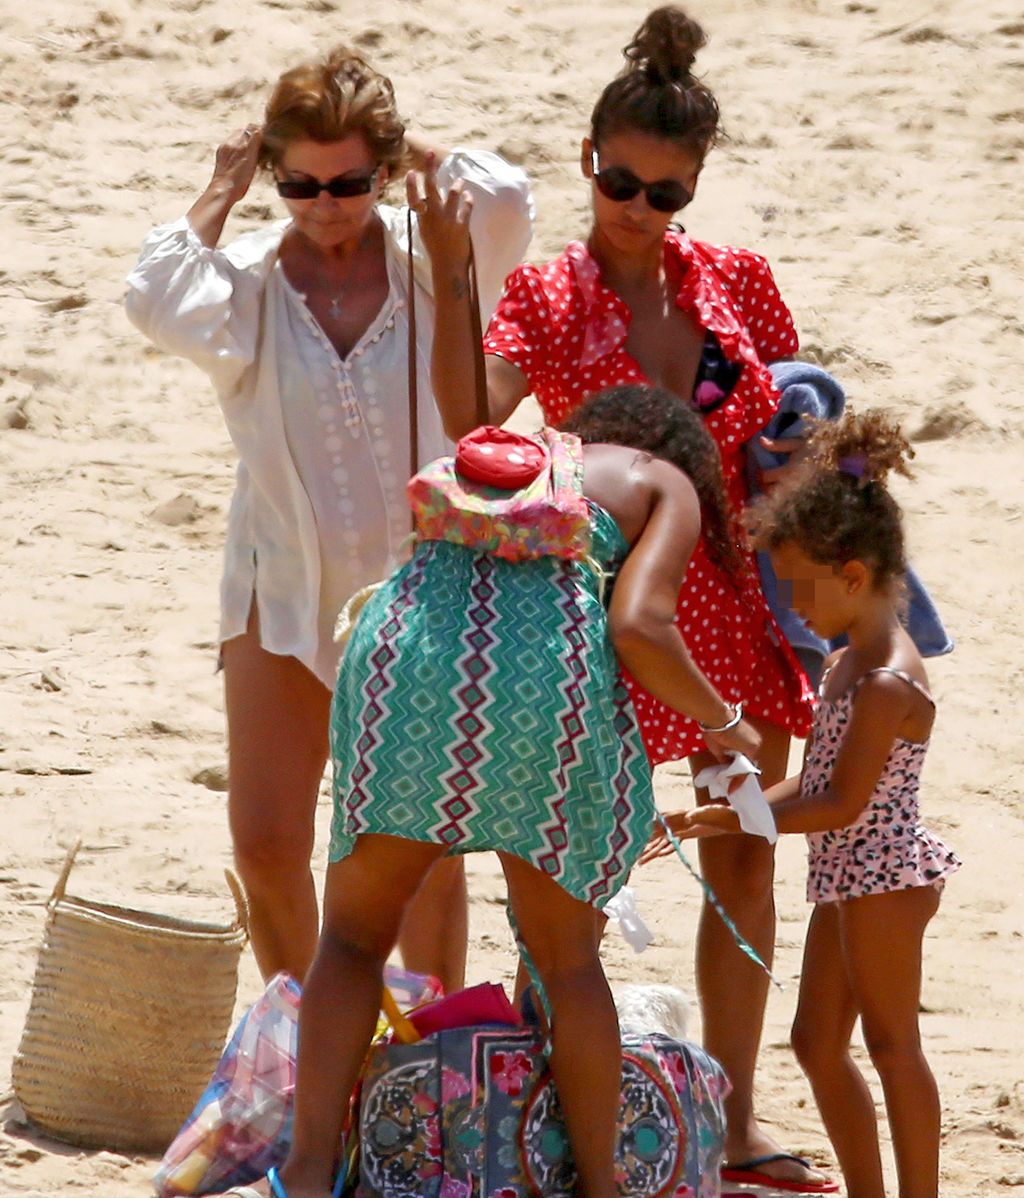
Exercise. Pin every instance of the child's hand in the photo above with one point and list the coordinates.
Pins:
(713, 820)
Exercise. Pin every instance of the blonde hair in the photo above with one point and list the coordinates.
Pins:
(330, 98)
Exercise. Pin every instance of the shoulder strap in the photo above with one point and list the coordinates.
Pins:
(483, 415)
(414, 437)
(899, 674)
(824, 679)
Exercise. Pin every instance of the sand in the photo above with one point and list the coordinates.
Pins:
(875, 158)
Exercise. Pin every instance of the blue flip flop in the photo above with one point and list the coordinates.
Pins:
(276, 1186)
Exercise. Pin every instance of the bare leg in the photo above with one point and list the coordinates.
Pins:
(435, 929)
(733, 990)
(586, 1056)
(365, 897)
(523, 976)
(825, 1015)
(277, 714)
(882, 936)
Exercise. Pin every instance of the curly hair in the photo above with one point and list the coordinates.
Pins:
(657, 92)
(656, 421)
(837, 507)
(330, 98)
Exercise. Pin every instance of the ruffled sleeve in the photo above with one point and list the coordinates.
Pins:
(763, 310)
(199, 303)
(521, 324)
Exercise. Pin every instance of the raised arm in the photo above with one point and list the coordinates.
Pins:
(233, 171)
(444, 229)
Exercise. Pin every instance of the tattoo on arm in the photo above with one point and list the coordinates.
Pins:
(459, 289)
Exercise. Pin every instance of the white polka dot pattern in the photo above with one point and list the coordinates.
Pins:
(566, 331)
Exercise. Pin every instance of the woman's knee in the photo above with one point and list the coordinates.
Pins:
(567, 966)
(740, 869)
(813, 1048)
(361, 945)
(890, 1047)
(271, 843)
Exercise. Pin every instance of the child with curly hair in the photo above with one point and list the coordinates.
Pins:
(875, 873)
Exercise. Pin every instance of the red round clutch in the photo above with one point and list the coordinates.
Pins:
(499, 458)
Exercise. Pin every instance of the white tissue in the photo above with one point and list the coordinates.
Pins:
(622, 908)
(747, 800)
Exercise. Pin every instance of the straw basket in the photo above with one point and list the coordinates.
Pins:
(128, 1018)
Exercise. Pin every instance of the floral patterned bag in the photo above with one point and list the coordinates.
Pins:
(458, 499)
(473, 1112)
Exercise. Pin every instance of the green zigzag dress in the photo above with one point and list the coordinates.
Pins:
(479, 706)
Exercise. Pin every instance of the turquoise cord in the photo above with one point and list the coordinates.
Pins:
(743, 945)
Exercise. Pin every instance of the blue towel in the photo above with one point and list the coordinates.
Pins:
(808, 391)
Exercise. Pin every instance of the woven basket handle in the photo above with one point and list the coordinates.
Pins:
(60, 886)
(241, 906)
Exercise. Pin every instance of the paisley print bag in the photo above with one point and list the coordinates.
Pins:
(473, 1112)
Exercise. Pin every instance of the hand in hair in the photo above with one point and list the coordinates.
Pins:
(235, 163)
(233, 170)
(795, 447)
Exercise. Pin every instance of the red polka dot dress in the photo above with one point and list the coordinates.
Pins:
(566, 331)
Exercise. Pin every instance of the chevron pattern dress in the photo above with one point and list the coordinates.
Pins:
(479, 706)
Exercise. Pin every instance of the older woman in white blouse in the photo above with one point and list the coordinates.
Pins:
(302, 327)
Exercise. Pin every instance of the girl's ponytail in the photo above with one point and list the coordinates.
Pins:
(837, 508)
(866, 447)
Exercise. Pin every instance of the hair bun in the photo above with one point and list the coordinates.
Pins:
(865, 445)
(665, 46)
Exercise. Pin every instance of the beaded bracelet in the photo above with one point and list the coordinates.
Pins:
(729, 724)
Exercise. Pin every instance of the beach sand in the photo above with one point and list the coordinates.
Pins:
(874, 158)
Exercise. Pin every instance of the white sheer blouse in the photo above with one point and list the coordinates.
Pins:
(319, 508)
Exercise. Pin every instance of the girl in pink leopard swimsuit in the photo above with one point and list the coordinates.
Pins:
(876, 874)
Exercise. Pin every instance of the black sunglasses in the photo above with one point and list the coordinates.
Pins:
(618, 184)
(340, 187)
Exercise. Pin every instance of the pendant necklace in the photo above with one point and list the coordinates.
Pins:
(336, 307)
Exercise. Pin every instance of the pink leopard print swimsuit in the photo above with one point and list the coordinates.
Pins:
(887, 848)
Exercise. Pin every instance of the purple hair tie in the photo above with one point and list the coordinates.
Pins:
(854, 465)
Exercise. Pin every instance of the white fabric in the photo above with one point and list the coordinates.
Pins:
(747, 800)
(623, 909)
(319, 508)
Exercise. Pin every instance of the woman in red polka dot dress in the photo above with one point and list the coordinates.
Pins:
(641, 301)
